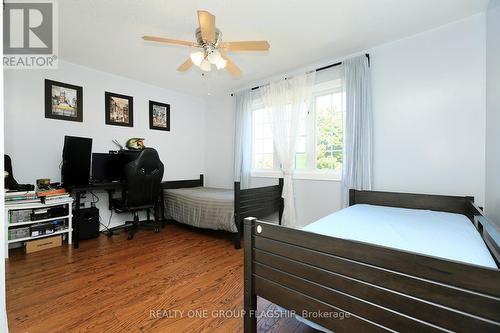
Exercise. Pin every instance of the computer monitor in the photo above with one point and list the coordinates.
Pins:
(76, 161)
(106, 167)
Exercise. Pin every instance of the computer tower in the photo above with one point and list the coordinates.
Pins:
(88, 220)
(76, 161)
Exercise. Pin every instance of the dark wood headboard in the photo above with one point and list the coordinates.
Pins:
(444, 203)
(172, 184)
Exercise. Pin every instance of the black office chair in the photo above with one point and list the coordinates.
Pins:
(9, 182)
(141, 191)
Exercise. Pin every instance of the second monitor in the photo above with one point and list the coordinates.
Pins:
(106, 167)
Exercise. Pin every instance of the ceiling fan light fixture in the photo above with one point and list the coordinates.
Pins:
(197, 58)
(221, 63)
(205, 65)
(211, 48)
(214, 56)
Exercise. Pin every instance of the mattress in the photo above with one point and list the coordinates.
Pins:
(201, 207)
(439, 234)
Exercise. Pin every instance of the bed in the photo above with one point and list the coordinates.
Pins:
(389, 262)
(189, 202)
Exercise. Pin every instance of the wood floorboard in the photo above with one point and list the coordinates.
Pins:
(179, 280)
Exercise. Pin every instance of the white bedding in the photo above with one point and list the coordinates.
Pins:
(445, 235)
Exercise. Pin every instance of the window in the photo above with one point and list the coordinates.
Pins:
(328, 110)
(320, 135)
(301, 150)
(262, 139)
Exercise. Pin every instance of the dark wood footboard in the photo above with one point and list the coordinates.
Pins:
(350, 286)
(257, 202)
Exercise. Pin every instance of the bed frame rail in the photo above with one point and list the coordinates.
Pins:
(488, 231)
(347, 286)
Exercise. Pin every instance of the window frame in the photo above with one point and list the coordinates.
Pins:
(327, 174)
(259, 105)
(310, 172)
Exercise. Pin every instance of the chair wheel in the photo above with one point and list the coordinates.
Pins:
(130, 236)
(156, 230)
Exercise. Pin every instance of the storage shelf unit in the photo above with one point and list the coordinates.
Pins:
(20, 206)
(38, 221)
(36, 237)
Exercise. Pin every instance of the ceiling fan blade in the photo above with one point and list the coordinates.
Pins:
(258, 45)
(207, 26)
(169, 41)
(230, 66)
(185, 66)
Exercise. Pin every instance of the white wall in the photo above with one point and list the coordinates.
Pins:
(429, 111)
(493, 112)
(219, 141)
(429, 120)
(35, 143)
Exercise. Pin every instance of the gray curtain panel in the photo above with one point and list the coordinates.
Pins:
(357, 165)
(243, 137)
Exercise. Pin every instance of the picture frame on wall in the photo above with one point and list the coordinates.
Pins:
(119, 109)
(159, 116)
(63, 101)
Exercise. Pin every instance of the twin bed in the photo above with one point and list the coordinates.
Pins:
(189, 202)
(389, 262)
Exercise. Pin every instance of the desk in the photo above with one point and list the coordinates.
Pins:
(109, 187)
(77, 191)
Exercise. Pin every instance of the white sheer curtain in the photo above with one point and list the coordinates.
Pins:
(287, 100)
(243, 137)
(357, 164)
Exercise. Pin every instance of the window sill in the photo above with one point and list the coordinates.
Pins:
(329, 176)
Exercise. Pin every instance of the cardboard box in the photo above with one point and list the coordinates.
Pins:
(43, 243)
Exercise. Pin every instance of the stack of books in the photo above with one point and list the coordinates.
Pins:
(53, 195)
(19, 197)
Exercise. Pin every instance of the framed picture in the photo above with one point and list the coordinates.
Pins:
(159, 116)
(119, 109)
(63, 101)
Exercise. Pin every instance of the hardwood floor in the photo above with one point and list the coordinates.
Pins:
(179, 280)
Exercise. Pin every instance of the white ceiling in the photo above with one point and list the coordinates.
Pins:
(106, 34)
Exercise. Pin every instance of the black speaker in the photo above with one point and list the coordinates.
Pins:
(88, 220)
(76, 161)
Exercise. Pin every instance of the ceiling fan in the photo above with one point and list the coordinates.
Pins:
(209, 40)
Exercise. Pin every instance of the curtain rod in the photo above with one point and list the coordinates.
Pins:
(317, 70)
